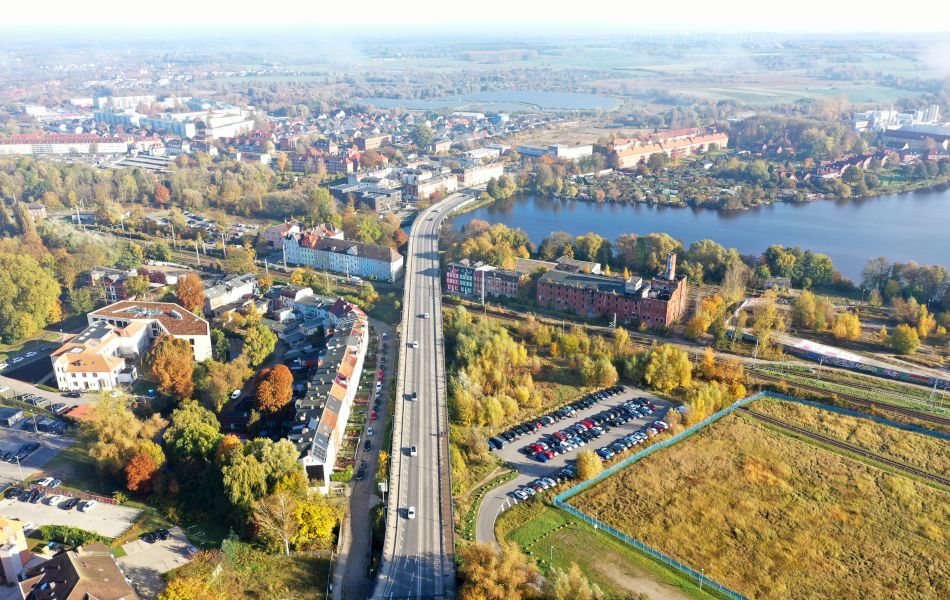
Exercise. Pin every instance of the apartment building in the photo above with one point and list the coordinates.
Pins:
(321, 415)
(658, 303)
(64, 143)
(372, 142)
(675, 144)
(471, 279)
(477, 175)
(337, 255)
(95, 358)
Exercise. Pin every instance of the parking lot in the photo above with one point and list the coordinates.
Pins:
(530, 469)
(12, 438)
(145, 562)
(105, 519)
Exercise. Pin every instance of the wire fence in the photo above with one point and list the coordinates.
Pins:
(561, 499)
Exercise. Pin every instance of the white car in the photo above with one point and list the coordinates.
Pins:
(54, 500)
(4, 389)
(413, 451)
(235, 394)
(87, 505)
(411, 512)
(369, 431)
(45, 481)
(30, 354)
(425, 315)
(415, 344)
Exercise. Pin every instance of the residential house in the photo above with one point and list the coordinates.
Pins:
(86, 572)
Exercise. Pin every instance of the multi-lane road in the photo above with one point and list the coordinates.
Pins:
(418, 554)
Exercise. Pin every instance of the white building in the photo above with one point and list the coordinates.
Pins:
(340, 256)
(159, 318)
(64, 143)
(95, 359)
(472, 176)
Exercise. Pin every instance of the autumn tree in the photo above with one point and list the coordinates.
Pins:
(492, 573)
(137, 286)
(218, 379)
(903, 339)
(240, 261)
(29, 297)
(259, 343)
(316, 519)
(276, 519)
(667, 368)
(589, 465)
(115, 435)
(139, 472)
(570, 585)
(767, 320)
(170, 362)
(191, 293)
(847, 326)
(274, 388)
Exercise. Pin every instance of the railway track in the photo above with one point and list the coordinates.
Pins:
(941, 400)
(907, 412)
(846, 446)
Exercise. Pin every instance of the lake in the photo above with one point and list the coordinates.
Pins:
(906, 227)
(504, 101)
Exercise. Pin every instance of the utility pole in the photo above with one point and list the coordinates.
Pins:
(197, 256)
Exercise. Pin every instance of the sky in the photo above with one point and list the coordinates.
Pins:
(489, 16)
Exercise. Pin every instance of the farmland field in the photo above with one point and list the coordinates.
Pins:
(772, 517)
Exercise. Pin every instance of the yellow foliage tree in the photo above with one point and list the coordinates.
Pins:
(589, 465)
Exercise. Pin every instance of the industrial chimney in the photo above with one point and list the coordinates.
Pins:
(671, 266)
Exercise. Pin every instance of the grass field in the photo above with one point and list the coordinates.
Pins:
(773, 517)
(550, 535)
(915, 449)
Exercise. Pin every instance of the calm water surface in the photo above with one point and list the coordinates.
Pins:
(902, 227)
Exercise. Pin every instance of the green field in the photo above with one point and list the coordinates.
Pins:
(547, 534)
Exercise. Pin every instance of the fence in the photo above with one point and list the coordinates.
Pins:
(560, 499)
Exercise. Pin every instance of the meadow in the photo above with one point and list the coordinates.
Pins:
(914, 449)
(772, 517)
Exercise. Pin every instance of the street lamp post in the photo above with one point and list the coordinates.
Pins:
(703, 570)
(19, 467)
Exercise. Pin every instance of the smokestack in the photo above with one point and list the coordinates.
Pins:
(671, 266)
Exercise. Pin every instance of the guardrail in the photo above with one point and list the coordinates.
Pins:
(560, 499)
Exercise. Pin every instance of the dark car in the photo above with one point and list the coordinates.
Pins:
(13, 492)
(59, 408)
(69, 504)
(163, 534)
(367, 444)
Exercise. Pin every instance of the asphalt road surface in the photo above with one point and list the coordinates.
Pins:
(418, 555)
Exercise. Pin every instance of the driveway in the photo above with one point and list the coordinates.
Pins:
(13, 438)
(105, 519)
(144, 563)
(497, 501)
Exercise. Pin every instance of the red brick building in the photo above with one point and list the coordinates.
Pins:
(658, 303)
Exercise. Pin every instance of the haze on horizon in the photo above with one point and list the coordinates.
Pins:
(489, 17)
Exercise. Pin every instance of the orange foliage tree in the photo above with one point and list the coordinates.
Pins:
(170, 362)
(139, 472)
(274, 388)
(191, 293)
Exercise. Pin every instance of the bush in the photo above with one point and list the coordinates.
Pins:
(73, 536)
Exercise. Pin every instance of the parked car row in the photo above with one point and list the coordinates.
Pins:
(37, 496)
(33, 399)
(585, 430)
(15, 360)
(45, 424)
(544, 483)
(20, 454)
(565, 412)
(629, 441)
